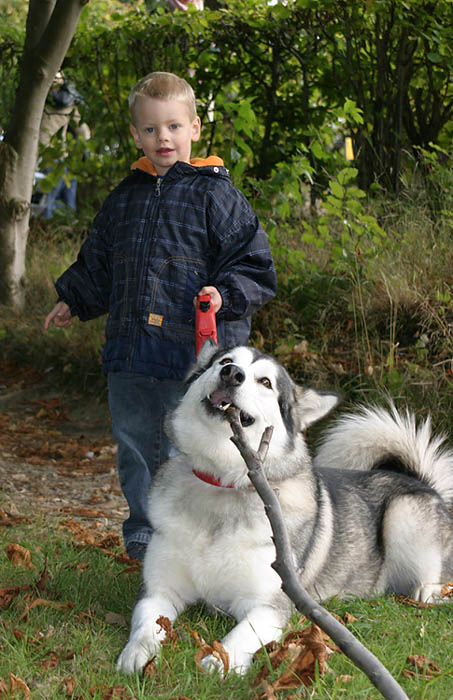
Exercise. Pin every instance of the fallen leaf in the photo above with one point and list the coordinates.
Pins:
(19, 556)
(115, 692)
(307, 650)
(49, 603)
(8, 594)
(217, 650)
(413, 603)
(171, 637)
(447, 590)
(150, 668)
(199, 641)
(50, 662)
(69, 685)
(423, 666)
(348, 619)
(17, 684)
(8, 519)
(345, 678)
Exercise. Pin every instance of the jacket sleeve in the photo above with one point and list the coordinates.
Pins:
(243, 269)
(86, 284)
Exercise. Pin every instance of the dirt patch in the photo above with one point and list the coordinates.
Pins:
(56, 451)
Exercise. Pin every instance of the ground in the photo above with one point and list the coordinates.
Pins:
(57, 453)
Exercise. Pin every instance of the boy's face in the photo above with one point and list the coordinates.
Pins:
(164, 131)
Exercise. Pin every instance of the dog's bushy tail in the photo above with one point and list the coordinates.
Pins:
(376, 438)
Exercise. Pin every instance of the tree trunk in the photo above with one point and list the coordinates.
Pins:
(50, 27)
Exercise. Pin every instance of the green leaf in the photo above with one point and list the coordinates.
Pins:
(337, 189)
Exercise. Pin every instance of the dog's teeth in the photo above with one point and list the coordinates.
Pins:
(225, 406)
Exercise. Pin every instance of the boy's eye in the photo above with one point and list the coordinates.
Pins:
(174, 126)
(149, 129)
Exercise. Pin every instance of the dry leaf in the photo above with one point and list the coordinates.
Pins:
(19, 556)
(115, 692)
(171, 637)
(307, 649)
(348, 619)
(423, 666)
(199, 641)
(50, 603)
(447, 590)
(7, 596)
(268, 692)
(413, 603)
(150, 668)
(217, 650)
(69, 684)
(17, 684)
(345, 678)
(50, 662)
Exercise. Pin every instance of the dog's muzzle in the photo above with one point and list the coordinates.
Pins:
(220, 400)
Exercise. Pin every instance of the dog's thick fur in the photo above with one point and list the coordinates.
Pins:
(371, 516)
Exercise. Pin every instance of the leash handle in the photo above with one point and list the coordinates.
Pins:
(205, 322)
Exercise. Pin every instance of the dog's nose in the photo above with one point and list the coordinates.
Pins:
(232, 375)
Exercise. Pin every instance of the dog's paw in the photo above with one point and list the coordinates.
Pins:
(213, 664)
(134, 656)
(430, 593)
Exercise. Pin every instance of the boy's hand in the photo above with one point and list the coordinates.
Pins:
(216, 297)
(60, 316)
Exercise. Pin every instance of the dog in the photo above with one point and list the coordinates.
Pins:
(370, 516)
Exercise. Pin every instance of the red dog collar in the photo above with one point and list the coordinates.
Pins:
(211, 479)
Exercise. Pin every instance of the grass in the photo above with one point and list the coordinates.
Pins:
(72, 644)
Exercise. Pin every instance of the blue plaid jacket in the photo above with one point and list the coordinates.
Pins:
(155, 243)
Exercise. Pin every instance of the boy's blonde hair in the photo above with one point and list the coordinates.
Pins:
(163, 86)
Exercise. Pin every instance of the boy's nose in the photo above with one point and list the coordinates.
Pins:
(163, 134)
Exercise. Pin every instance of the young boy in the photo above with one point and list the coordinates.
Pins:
(173, 229)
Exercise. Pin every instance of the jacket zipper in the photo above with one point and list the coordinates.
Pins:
(130, 360)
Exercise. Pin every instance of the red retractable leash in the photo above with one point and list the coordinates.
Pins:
(205, 323)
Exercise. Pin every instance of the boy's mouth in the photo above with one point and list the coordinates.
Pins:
(164, 151)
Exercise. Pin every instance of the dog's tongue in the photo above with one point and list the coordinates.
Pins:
(220, 398)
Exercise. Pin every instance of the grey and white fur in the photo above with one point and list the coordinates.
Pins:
(370, 516)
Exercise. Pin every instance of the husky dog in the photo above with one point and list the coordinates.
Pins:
(371, 516)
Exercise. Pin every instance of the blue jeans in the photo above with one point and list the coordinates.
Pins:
(138, 404)
(60, 195)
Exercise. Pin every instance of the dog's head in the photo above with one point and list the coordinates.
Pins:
(262, 391)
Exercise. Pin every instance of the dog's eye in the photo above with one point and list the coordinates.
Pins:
(226, 361)
(265, 382)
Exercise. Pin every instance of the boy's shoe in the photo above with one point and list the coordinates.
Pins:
(136, 550)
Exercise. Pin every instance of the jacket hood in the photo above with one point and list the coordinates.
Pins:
(146, 165)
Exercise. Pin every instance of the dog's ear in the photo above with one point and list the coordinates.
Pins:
(312, 405)
(207, 352)
(208, 349)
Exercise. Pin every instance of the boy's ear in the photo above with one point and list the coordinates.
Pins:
(196, 128)
(135, 135)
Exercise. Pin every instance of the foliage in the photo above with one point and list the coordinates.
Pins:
(299, 76)
(363, 278)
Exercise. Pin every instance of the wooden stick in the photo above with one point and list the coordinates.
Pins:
(284, 566)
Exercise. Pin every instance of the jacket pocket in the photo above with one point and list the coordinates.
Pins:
(171, 312)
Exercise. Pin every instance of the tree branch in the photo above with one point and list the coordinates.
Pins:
(284, 566)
